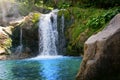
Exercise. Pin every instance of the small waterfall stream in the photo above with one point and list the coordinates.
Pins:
(21, 37)
(20, 47)
(61, 31)
(48, 34)
(62, 23)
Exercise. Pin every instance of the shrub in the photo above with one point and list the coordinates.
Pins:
(98, 22)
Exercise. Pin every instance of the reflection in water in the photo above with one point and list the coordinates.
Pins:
(50, 69)
(29, 70)
(64, 68)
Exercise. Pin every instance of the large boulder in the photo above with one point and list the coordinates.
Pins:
(101, 59)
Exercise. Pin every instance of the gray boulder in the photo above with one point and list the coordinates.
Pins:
(101, 59)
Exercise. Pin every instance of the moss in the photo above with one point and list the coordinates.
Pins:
(8, 43)
(5, 39)
(66, 12)
(71, 51)
(30, 21)
(36, 17)
(29, 30)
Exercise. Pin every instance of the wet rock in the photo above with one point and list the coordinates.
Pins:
(29, 26)
(101, 59)
(3, 57)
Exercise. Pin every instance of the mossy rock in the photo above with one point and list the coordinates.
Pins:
(5, 39)
(30, 20)
(29, 28)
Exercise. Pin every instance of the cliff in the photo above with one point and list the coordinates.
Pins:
(10, 38)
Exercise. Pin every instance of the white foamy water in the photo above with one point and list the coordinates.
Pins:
(48, 34)
(46, 57)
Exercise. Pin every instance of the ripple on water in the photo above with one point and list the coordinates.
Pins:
(41, 68)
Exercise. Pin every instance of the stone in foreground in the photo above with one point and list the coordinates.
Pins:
(101, 59)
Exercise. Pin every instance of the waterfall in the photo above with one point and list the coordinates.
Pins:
(20, 47)
(63, 24)
(21, 39)
(62, 41)
(48, 34)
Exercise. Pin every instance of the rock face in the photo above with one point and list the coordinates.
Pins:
(10, 38)
(29, 36)
(5, 41)
(101, 59)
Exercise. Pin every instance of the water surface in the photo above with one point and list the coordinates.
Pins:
(60, 68)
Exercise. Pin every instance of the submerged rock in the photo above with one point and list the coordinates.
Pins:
(101, 59)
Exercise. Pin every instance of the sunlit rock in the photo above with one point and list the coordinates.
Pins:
(5, 41)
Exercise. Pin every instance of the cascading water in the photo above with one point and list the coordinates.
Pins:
(61, 38)
(48, 34)
(20, 47)
(63, 24)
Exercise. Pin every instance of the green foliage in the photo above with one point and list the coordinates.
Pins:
(87, 21)
(99, 21)
(110, 14)
(8, 43)
(81, 17)
(63, 5)
(36, 17)
(38, 2)
(100, 3)
(96, 23)
(25, 7)
(71, 51)
(66, 14)
(106, 3)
